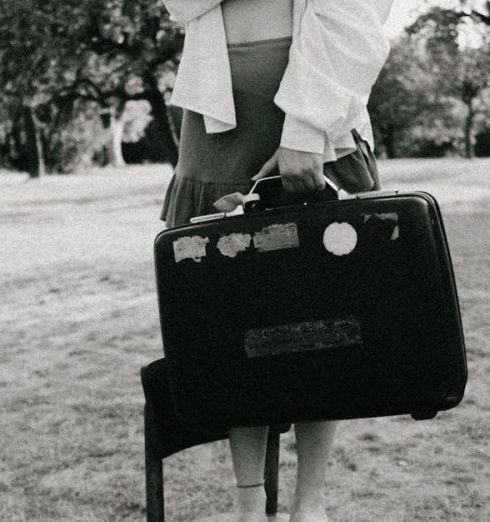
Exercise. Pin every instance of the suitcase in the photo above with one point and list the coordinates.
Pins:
(320, 311)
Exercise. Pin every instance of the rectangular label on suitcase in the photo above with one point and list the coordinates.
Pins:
(331, 310)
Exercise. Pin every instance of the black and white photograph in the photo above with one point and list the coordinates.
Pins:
(244, 260)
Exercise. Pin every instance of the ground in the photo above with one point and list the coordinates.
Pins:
(78, 317)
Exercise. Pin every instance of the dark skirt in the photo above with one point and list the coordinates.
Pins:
(213, 165)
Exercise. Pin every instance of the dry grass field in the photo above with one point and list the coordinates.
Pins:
(78, 317)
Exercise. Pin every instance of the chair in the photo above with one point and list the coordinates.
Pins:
(165, 434)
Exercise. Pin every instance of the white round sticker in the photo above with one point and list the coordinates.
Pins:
(340, 239)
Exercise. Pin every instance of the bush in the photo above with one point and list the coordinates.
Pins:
(482, 146)
(78, 143)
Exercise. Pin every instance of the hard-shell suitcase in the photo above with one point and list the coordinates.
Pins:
(329, 310)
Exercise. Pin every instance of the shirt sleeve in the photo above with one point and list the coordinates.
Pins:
(183, 11)
(334, 61)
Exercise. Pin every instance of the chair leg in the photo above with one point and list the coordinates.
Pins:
(153, 473)
(271, 473)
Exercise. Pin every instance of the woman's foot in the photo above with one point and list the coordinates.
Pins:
(251, 504)
(309, 513)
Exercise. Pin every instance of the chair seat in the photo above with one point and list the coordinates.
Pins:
(166, 433)
(173, 435)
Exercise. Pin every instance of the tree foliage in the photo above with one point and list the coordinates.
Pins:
(460, 70)
(428, 99)
(403, 97)
(75, 74)
(54, 53)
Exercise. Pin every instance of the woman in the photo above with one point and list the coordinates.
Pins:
(271, 85)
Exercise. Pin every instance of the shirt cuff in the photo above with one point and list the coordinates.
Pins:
(298, 135)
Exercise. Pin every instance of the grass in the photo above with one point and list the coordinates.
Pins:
(79, 317)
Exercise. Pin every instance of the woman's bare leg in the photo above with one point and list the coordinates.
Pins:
(248, 446)
(313, 443)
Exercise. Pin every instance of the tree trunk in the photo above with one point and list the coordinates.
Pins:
(113, 123)
(389, 141)
(161, 119)
(115, 147)
(468, 130)
(34, 151)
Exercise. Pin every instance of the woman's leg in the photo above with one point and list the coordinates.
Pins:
(313, 442)
(248, 447)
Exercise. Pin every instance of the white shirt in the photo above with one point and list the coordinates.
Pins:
(338, 49)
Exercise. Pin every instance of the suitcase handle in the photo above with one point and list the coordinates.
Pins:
(253, 199)
(267, 180)
(270, 194)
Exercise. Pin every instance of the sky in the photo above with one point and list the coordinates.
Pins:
(402, 13)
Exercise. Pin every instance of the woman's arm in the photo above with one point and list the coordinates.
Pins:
(333, 65)
(183, 11)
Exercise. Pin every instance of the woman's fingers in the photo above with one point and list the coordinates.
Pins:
(301, 171)
(319, 182)
(294, 183)
(269, 166)
(310, 180)
(287, 185)
(305, 181)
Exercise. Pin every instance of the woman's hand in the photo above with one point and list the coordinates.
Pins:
(300, 171)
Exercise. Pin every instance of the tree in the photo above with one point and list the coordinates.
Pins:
(403, 95)
(461, 71)
(52, 53)
(474, 77)
(477, 10)
(139, 37)
(34, 39)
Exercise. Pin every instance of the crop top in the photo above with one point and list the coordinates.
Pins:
(338, 49)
